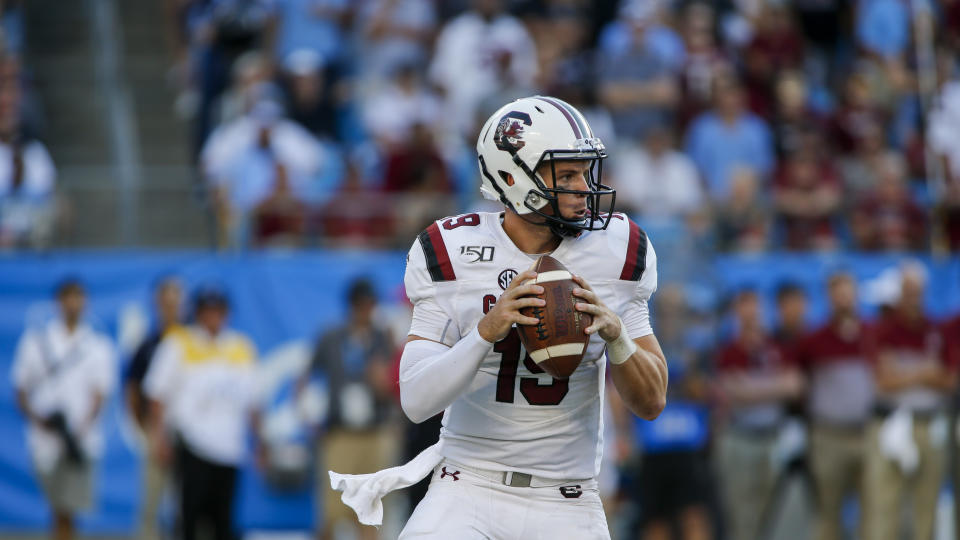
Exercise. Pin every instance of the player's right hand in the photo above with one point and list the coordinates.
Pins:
(496, 324)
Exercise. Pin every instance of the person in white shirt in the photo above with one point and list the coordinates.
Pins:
(241, 158)
(63, 373)
(392, 112)
(656, 181)
(464, 64)
(202, 387)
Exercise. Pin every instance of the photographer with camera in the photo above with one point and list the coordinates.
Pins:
(63, 372)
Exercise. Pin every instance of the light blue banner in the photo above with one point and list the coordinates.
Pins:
(277, 299)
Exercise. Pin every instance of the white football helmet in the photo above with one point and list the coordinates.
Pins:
(527, 132)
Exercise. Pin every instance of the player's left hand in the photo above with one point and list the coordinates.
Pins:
(605, 322)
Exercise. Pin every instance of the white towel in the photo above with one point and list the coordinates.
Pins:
(363, 492)
(896, 441)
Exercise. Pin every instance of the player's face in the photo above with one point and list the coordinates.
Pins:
(570, 175)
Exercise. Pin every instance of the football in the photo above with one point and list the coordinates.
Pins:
(558, 343)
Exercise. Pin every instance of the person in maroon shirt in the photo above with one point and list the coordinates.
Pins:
(951, 341)
(807, 193)
(703, 63)
(756, 385)
(913, 379)
(791, 320)
(837, 361)
(857, 117)
(887, 218)
(776, 45)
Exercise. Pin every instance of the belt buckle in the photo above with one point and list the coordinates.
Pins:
(516, 479)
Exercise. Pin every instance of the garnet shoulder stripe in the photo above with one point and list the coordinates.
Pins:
(636, 261)
(435, 251)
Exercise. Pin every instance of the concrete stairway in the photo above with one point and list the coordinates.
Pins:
(61, 54)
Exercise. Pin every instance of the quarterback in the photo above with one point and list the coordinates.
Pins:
(519, 451)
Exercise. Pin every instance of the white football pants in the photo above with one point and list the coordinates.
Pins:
(462, 505)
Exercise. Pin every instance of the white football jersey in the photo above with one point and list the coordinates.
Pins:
(515, 417)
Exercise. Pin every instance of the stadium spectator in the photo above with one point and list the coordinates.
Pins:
(951, 337)
(636, 84)
(756, 384)
(742, 220)
(27, 178)
(391, 113)
(883, 27)
(63, 374)
(251, 79)
(857, 118)
(17, 78)
(737, 24)
(838, 359)
(463, 66)
(11, 21)
(280, 220)
(356, 359)
(888, 219)
(775, 46)
(506, 87)
(317, 25)
(168, 299)
(729, 138)
(656, 181)
(807, 193)
(791, 320)
(703, 62)
(792, 116)
(951, 22)
(309, 88)
(220, 32)
(565, 53)
(943, 135)
(417, 175)
(357, 214)
(645, 17)
(244, 158)
(820, 22)
(950, 214)
(859, 169)
(203, 390)
(396, 33)
(906, 442)
(674, 481)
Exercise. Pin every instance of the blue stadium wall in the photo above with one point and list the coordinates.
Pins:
(280, 298)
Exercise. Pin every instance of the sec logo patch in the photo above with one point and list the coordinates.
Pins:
(506, 277)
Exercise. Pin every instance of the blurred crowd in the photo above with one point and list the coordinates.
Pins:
(855, 406)
(749, 125)
(28, 204)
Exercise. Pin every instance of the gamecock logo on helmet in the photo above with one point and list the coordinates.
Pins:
(509, 135)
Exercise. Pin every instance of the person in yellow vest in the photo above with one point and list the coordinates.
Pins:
(202, 388)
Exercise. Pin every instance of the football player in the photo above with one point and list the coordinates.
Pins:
(519, 451)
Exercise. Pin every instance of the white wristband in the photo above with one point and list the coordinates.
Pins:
(622, 348)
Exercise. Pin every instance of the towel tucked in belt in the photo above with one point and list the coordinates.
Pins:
(363, 492)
